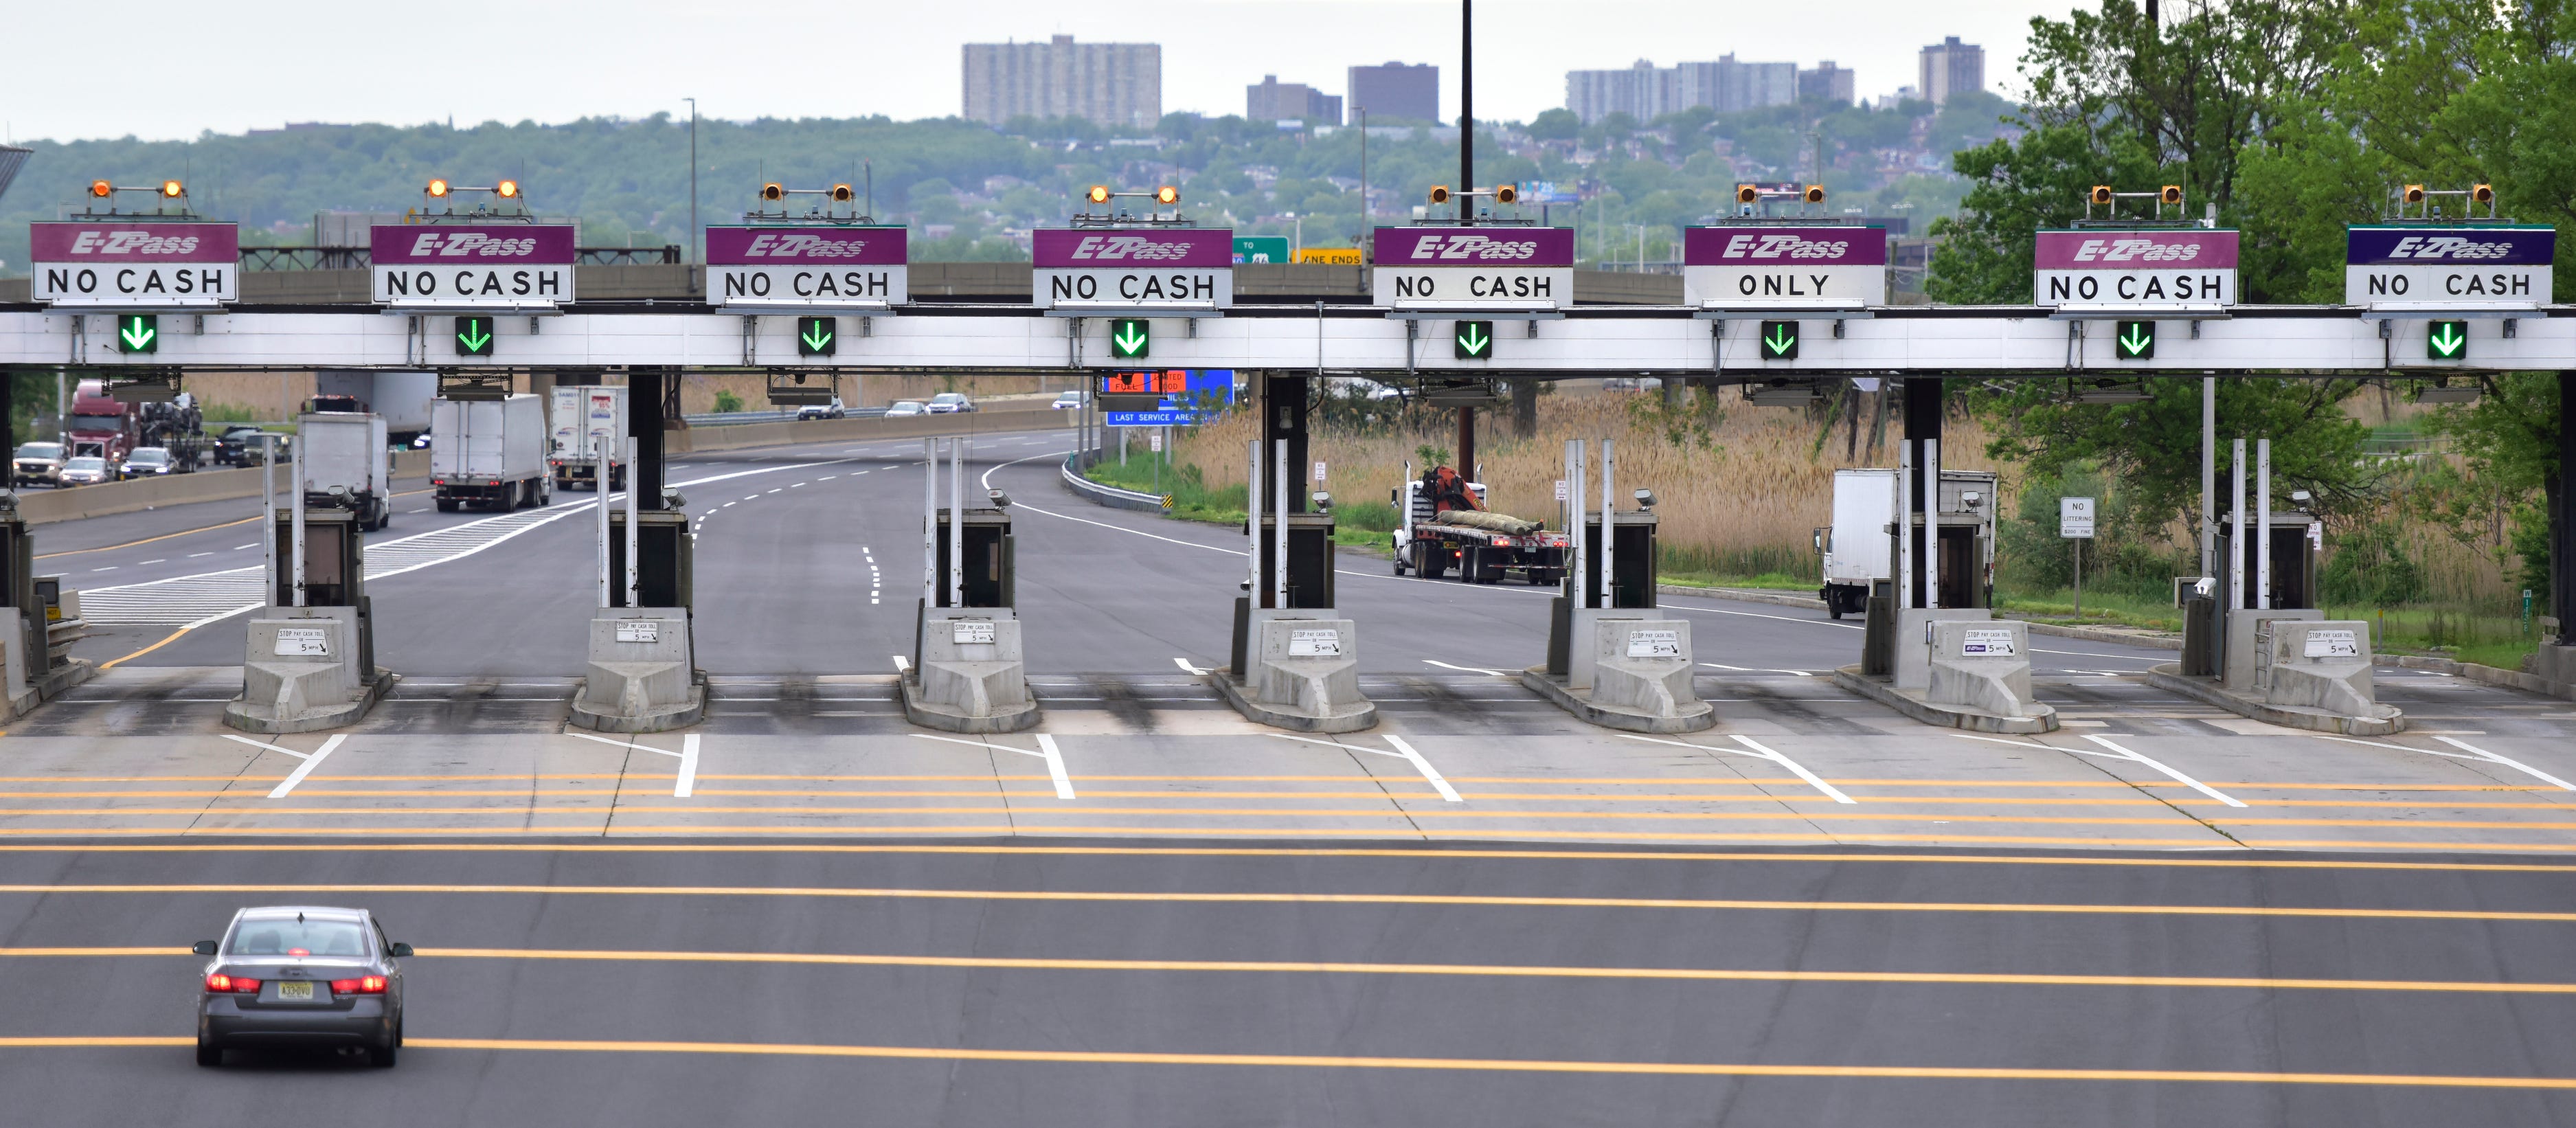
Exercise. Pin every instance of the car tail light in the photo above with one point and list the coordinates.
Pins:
(299, 953)
(218, 983)
(1502, 542)
(365, 985)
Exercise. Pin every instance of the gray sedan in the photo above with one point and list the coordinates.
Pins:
(301, 976)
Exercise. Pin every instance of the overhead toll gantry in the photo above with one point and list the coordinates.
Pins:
(2115, 300)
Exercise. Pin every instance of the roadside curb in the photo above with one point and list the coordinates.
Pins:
(2159, 640)
(1884, 692)
(2491, 675)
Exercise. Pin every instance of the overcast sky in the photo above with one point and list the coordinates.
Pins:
(164, 69)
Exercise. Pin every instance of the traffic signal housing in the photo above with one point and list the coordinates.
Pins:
(1746, 194)
(1815, 193)
(1439, 193)
(1507, 194)
(2170, 194)
(2102, 195)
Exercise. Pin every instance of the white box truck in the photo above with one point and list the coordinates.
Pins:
(489, 452)
(1860, 547)
(584, 415)
(347, 462)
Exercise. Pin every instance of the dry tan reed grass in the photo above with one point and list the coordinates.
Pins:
(1761, 484)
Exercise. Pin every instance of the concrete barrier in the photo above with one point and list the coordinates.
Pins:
(40, 507)
(698, 440)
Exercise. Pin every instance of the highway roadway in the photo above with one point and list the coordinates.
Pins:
(1149, 911)
(1001, 985)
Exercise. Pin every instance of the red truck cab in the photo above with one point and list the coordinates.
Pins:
(100, 425)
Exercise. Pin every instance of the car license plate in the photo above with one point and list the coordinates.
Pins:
(295, 992)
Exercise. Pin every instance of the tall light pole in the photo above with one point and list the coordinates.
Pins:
(1466, 108)
(693, 179)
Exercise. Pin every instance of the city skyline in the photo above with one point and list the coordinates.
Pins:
(907, 66)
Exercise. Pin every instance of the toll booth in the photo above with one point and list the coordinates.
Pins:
(2254, 640)
(311, 660)
(665, 553)
(969, 672)
(31, 669)
(1612, 657)
(988, 550)
(1309, 580)
(1294, 657)
(1632, 580)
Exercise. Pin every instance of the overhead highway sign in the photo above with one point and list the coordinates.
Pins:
(1181, 270)
(500, 267)
(2456, 268)
(1260, 248)
(1471, 269)
(109, 264)
(1784, 266)
(2178, 271)
(807, 267)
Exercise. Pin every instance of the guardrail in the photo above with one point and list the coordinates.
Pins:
(729, 418)
(1108, 495)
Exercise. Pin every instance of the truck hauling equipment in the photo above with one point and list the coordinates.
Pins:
(1443, 523)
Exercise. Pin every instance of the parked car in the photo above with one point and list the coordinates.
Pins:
(907, 407)
(147, 462)
(832, 410)
(949, 402)
(1070, 401)
(37, 463)
(87, 470)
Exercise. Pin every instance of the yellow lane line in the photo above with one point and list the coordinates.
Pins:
(147, 540)
(1502, 971)
(252, 791)
(1469, 1065)
(1245, 898)
(2160, 861)
(627, 813)
(1732, 782)
(172, 637)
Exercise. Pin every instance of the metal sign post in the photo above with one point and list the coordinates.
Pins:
(295, 543)
(957, 522)
(268, 517)
(634, 492)
(1252, 520)
(2075, 523)
(1279, 533)
(1609, 535)
(599, 485)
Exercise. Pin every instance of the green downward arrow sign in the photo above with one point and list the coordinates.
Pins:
(1474, 338)
(2448, 339)
(138, 333)
(1130, 337)
(1780, 339)
(817, 337)
(2136, 339)
(474, 337)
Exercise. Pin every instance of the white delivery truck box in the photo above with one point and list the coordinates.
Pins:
(1858, 548)
(347, 450)
(489, 452)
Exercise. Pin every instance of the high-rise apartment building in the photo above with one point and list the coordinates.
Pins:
(1641, 91)
(1644, 91)
(1827, 83)
(1274, 100)
(1951, 67)
(1114, 84)
(1396, 90)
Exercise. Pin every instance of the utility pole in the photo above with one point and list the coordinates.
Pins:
(1466, 109)
(694, 255)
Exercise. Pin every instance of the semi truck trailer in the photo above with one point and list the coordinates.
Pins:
(584, 415)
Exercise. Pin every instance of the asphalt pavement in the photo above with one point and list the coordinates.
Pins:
(763, 984)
